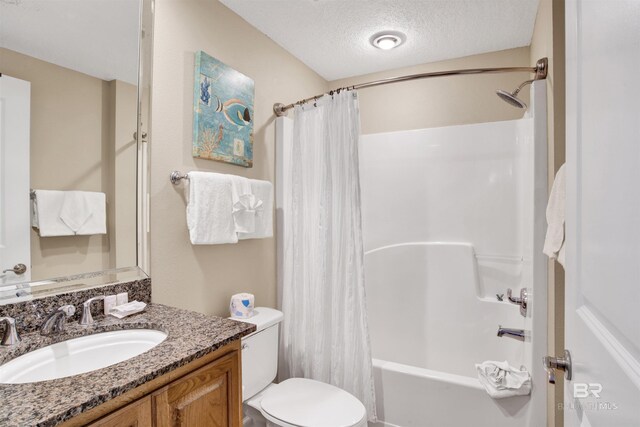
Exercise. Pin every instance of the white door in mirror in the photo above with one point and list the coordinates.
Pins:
(15, 215)
(79, 355)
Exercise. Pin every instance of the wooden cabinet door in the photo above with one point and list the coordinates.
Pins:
(210, 396)
(137, 414)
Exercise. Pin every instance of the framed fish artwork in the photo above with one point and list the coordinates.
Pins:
(222, 113)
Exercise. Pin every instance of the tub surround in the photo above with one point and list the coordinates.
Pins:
(190, 336)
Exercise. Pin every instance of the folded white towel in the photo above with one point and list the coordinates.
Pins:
(555, 239)
(84, 212)
(124, 310)
(501, 380)
(46, 213)
(263, 191)
(244, 215)
(210, 209)
(69, 213)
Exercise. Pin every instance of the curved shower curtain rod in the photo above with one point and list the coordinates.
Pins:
(540, 71)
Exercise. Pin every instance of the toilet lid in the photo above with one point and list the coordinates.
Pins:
(309, 403)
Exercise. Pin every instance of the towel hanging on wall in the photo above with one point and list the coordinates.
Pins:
(68, 213)
(84, 212)
(210, 209)
(224, 208)
(554, 242)
(263, 206)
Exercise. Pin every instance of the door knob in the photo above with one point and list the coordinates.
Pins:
(522, 301)
(18, 269)
(562, 363)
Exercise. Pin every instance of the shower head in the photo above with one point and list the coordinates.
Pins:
(511, 98)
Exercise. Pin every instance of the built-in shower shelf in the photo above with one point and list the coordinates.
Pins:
(501, 258)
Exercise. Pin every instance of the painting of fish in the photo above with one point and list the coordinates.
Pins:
(222, 112)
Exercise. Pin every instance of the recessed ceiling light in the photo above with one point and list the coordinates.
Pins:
(387, 40)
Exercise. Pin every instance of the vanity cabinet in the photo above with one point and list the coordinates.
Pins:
(205, 392)
(137, 414)
(207, 397)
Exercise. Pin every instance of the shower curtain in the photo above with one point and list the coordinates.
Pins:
(326, 335)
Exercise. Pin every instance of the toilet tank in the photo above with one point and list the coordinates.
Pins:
(260, 351)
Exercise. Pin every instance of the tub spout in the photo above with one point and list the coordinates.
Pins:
(516, 334)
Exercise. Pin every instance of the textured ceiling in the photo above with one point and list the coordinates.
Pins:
(95, 37)
(332, 36)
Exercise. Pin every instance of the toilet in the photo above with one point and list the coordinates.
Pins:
(296, 402)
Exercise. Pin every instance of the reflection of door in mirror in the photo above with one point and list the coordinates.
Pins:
(14, 179)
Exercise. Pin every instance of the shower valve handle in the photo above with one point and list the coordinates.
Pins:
(522, 301)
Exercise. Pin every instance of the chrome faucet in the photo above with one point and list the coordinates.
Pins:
(54, 323)
(87, 319)
(516, 334)
(10, 336)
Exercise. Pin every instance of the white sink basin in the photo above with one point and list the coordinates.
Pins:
(79, 355)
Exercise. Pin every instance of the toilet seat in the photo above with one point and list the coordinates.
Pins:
(300, 402)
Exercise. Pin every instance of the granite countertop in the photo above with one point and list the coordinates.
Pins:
(191, 335)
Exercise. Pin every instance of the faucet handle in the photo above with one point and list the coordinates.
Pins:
(11, 336)
(87, 318)
(522, 301)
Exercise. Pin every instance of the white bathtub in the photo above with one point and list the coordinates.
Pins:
(411, 396)
(429, 324)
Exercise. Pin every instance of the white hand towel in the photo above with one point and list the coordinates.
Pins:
(210, 209)
(245, 212)
(243, 216)
(75, 210)
(555, 239)
(84, 212)
(501, 380)
(263, 191)
(47, 205)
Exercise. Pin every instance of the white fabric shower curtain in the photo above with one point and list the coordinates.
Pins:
(326, 336)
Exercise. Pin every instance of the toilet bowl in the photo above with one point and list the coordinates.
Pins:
(296, 402)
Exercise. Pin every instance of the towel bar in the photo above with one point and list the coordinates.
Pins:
(176, 176)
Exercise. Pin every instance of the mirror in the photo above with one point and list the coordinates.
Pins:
(71, 165)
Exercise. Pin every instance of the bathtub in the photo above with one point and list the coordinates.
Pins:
(429, 323)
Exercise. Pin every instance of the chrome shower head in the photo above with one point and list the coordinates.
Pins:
(511, 98)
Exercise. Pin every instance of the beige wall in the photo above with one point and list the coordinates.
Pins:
(548, 40)
(441, 101)
(72, 138)
(202, 278)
